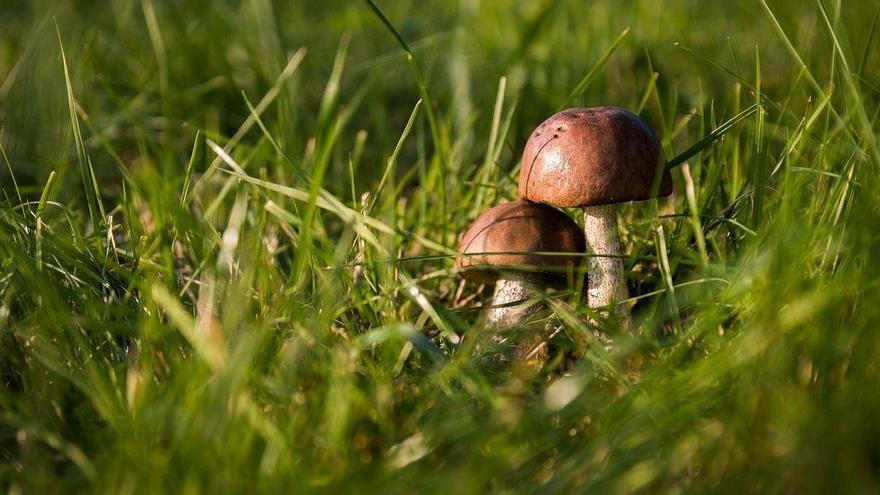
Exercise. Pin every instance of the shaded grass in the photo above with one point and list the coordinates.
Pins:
(202, 294)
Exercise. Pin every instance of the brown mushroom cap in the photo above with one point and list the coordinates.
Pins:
(520, 228)
(593, 156)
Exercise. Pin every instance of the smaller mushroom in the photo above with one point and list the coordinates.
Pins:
(596, 158)
(501, 247)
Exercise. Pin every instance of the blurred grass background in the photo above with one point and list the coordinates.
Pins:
(228, 227)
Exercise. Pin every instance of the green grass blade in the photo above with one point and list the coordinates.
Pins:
(585, 81)
(91, 188)
(712, 137)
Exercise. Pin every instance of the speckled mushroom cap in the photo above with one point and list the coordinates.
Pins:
(520, 228)
(592, 156)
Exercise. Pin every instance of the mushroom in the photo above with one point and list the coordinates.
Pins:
(500, 246)
(595, 158)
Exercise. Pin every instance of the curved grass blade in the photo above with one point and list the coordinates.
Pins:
(713, 136)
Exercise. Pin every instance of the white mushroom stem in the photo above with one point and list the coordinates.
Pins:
(510, 288)
(607, 281)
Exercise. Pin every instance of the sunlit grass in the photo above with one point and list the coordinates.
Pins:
(228, 230)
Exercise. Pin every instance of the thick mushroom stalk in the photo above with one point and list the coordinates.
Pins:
(607, 277)
(511, 288)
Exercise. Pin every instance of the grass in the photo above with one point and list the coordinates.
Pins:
(228, 229)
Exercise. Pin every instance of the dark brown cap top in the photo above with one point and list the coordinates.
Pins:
(519, 228)
(593, 156)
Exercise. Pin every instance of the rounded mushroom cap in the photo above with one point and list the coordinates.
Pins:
(518, 229)
(593, 156)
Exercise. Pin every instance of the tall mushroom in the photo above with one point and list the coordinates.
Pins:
(595, 158)
(500, 247)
